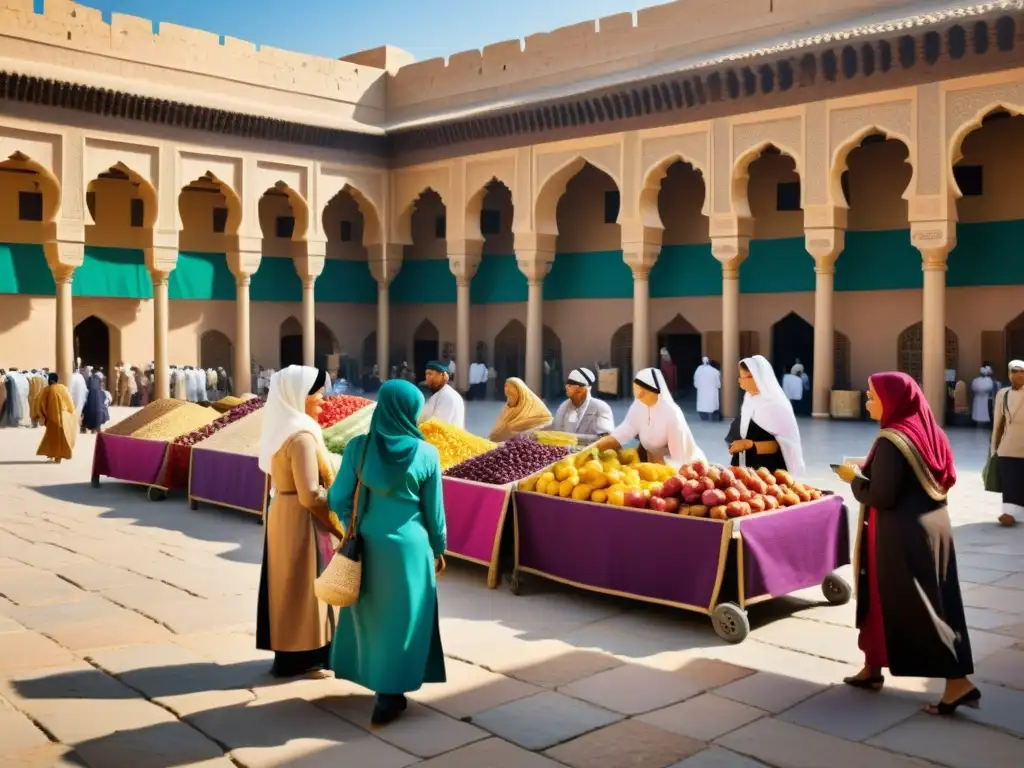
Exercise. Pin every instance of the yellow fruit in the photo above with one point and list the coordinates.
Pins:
(529, 484)
(552, 489)
(617, 498)
(542, 485)
(666, 472)
(647, 471)
(653, 488)
(615, 476)
(629, 456)
(618, 487)
(593, 466)
(599, 481)
(563, 472)
(609, 455)
(548, 476)
(566, 486)
(599, 496)
(582, 492)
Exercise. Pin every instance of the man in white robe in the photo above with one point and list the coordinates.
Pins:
(793, 385)
(22, 414)
(707, 380)
(478, 380)
(79, 392)
(982, 388)
(445, 403)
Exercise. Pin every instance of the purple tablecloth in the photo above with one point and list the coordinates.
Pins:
(651, 556)
(475, 515)
(128, 458)
(794, 548)
(229, 479)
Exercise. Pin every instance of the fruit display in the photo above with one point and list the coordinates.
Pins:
(165, 422)
(241, 437)
(337, 436)
(697, 490)
(453, 444)
(509, 462)
(339, 407)
(550, 437)
(244, 408)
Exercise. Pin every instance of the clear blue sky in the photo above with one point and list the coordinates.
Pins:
(334, 28)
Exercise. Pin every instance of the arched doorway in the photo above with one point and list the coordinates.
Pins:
(554, 376)
(683, 343)
(325, 343)
(291, 342)
(426, 346)
(509, 354)
(622, 357)
(92, 343)
(792, 342)
(909, 350)
(216, 351)
(369, 356)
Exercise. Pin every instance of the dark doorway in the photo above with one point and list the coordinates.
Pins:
(683, 343)
(215, 351)
(622, 358)
(291, 351)
(92, 343)
(509, 355)
(1014, 343)
(426, 346)
(793, 341)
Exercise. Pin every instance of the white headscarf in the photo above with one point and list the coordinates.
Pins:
(582, 377)
(772, 411)
(653, 379)
(285, 411)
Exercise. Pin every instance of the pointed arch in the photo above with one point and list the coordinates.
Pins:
(551, 189)
(373, 229)
(426, 331)
(403, 222)
(475, 206)
(841, 157)
(650, 191)
(47, 181)
(299, 210)
(971, 124)
(741, 173)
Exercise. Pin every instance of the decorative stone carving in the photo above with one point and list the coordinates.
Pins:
(161, 259)
(730, 252)
(930, 167)
(160, 278)
(817, 161)
(966, 108)
(310, 266)
(244, 263)
(72, 176)
(535, 265)
(848, 126)
(691, 148)
(464, 259)
(721, 167)
(606, 158)
(385, 260)
(935, 239)
(787, 134)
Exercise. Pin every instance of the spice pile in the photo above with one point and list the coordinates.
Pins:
(225, 404)
(339, 407)
(243, 409)
(550, 437)
(510, 461)
(338, 436)
(164, 420)
(241, 437)
(453, 444)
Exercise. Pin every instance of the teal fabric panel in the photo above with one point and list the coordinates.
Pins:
(201, 276)
(24, 271)
(878, 261)
(777, 266)
(346, 281)
(113, 273)
(498, 281)
(596, 275)
(424, 281)
(991, 253)
(276, 280)
(686, 270)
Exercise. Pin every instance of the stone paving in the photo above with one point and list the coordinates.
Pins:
(126, 639)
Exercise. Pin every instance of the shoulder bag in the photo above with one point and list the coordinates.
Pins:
(342, 579)
(990, 473)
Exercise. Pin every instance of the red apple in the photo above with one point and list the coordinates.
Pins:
(783, 477)
(671, 487)
(687, 473)
(657, 504)
(714, 498)
(789, 499)
(758, 504)
(635, 498)
(714, 474)
(737, 509)
(700, 468)
(706, 482)
(725, 478)
(731, 494)
(771, 503)
(672, 505)
(757, 485)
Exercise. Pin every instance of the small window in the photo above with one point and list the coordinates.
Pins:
(441, 227)
(970, 179)
(788, 196)
(346, 231)
(284, 227)
(30, 206)
(490, 222)
(220, 220)
(138, 211)
(611, 206)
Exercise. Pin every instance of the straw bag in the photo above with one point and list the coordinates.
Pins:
(339, 584)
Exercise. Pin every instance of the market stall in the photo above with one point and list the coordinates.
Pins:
(714, 559)
(478, 482)
(135, 450)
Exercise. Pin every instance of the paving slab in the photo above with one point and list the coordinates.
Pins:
(994, 598)
(25, 650)
(704, 717)
(630, 742)
(156, 746)
(48, 756)
(125, 629)
(38, 588)
(542, 721)
(716, 757)
(189, 615)
(50, 617)
(490, 753)
(556, 667)
(470, 690)
(95, 577)
(632, 689)
(955, 742)
(851, 714)
(1001, 708)
(1004, 667)
(17, 733)
(769, 691)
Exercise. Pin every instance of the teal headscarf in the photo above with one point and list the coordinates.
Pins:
(394, 436)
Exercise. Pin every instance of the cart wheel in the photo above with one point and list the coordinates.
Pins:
(156, 494)
(193, 504)
(730, 622)
(95, 481)
(836, 590)
(515, 583)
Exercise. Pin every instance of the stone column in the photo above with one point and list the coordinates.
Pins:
(934, 240)
(63, 258)
(534, 255)
(385, 260)
(463, 260)
(730, 252)
(824, 244)
(243, 265)
(308, 320)
(641, 257)
(161, 321)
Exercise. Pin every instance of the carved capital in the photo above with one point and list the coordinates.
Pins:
(934, 239)
(730, 225)
(243, 280)
(825, 245)
(535, 265)
(159, 277)
(308, 282)
(162, 259)
(62, 274)
(309, 267)
(464, 259)
(245, 263)
(731, 252)
(64, 257)
(385, 261)
(640, 258)
(638, 232)
(934, 260)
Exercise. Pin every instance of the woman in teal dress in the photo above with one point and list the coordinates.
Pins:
(389, 641)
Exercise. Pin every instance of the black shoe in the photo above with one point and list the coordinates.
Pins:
(869, 683)
(388, 708)
(971, 699)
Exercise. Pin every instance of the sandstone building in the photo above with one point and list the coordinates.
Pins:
(835, 182)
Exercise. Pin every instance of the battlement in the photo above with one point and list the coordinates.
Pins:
(683, 28)
(135, 43)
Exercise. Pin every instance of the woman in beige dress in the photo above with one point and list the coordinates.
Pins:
(290, 620)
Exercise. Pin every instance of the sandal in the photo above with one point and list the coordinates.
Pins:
(866, 683)
(971, 699)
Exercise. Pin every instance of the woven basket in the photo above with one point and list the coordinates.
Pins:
(845, 404)
(339, 584)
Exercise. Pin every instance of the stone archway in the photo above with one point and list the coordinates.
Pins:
(291, 342)
(622, 357)
(684, 344)
(792, 342)
(909, 355)
(92, 343)
(426, 346)
(216, 351)
(509, 353)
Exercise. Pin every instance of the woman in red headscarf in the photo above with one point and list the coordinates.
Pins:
(909, 610)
